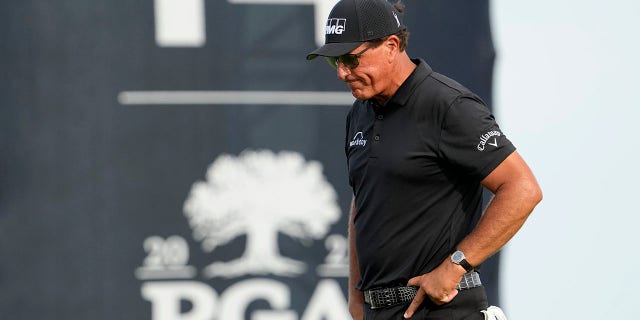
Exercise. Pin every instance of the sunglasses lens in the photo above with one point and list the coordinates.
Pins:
(333, 61)
(349, 60)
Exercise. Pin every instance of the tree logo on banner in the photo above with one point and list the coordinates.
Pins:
(260, 194)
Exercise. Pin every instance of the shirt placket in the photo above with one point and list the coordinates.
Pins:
(376, 132)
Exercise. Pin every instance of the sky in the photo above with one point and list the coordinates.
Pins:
(564, 92)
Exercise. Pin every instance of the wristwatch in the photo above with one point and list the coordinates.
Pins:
(459, 259)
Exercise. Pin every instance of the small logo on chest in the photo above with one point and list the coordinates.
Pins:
(358, 140)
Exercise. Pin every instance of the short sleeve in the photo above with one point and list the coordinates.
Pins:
(471, 140)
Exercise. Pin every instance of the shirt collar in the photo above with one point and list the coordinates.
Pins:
(421, 72)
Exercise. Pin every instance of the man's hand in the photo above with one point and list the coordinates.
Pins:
(438, 285)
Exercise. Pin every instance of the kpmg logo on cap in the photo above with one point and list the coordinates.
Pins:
(335, 26)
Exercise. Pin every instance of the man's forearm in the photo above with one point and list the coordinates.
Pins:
(515, 198)
(500, 222)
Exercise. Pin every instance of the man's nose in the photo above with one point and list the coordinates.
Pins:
(343, 71)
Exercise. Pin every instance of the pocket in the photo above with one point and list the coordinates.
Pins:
(437, 314)
(469, 303)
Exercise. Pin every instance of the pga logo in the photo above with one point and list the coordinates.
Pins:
(335, 26)
(258, 195)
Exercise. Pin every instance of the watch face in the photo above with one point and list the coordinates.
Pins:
(457, 256)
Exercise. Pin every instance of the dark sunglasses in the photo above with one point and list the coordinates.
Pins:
(350, 60)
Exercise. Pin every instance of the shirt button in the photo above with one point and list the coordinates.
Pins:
(376, 138)
(380, 117)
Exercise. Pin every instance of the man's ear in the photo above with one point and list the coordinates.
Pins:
(393, 46)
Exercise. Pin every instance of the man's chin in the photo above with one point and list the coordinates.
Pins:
(359, 94)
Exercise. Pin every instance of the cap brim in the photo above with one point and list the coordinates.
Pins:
(333, 49)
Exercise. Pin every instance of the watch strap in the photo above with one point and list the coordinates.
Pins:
(466, 265)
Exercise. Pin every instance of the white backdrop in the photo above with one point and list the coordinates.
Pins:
(566, 94)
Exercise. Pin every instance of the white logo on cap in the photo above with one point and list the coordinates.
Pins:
(397, 20)
(335, 26)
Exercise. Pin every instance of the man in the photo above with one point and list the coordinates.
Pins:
(419, 149)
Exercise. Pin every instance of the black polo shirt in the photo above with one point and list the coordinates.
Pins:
(415, 166)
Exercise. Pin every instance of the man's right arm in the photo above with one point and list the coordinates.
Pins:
(356, 298)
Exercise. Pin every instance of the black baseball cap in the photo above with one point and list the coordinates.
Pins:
(352, 22)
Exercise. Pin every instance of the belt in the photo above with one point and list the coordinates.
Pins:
(386, 297)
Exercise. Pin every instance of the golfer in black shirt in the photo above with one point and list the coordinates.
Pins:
(419, 149)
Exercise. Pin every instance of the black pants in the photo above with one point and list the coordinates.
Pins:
(465, 306)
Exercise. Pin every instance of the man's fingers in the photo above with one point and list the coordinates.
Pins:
(446, 298)
(417, 301)
(453, 294)
(414, 282)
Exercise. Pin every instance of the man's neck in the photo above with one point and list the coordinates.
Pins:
(399, 74)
